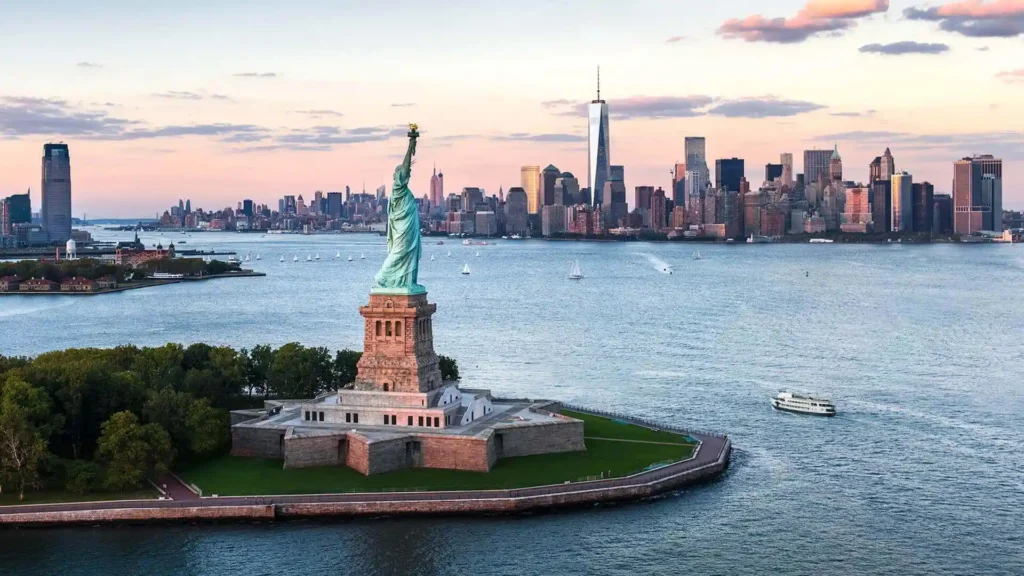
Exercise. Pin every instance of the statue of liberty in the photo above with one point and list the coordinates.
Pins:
(399, 272)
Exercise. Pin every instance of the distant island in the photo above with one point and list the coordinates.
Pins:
(132, 267)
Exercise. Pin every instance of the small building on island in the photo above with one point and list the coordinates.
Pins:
(9, 283)
(107, 282)
(38, 285)
(78, 284)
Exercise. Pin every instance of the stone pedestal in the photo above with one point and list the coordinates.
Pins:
(398, 348)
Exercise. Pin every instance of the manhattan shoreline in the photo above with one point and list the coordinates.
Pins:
(710, 460)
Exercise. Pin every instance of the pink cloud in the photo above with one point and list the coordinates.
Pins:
(982, 9)
(1012, 75)
(816, 17)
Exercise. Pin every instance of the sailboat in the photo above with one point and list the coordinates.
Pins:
(317, 256)
(697, 256)
(449, 253)
(349, 257)
(309, 258)
(282, 258)
(465, 270)
(478, 254)
(257, 255)
(431, 257)
(362, 256)
(576, 273)
(248, 257)
(337, 255)
(295, 258)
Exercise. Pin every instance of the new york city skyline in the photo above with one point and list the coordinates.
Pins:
(204, 103)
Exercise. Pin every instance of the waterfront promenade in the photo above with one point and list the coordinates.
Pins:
(711, 459)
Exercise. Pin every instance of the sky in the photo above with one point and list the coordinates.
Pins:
(217, 101)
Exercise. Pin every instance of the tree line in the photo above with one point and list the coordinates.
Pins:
(92, 269)
(107, 419)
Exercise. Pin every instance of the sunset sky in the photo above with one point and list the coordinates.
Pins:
(257, 99)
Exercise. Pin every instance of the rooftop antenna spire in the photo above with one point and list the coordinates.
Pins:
(598, 82)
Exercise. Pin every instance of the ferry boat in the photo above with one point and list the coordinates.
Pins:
(576, 273)
(790, 402)
(233, 259)
(821, 241)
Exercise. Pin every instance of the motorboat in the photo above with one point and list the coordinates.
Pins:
(800, 404)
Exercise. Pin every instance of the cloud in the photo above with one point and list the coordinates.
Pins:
(905, 47)
(982, 48)
(1012, 75)
(224, 130)
(951, 146)
(818, 16)
(320, 113)
(255, 75)
(224, 97)
(89, 65)
(659, 106)
(525, 137)
(403, 104)
(763, 108)
(853, 114)
(179, 95)
(27, 116)
(331, 135)
(675, 39)
(975, 18)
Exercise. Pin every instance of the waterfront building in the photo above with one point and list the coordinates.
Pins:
(615, 194)
(968, 210)
(924, 207)
(38, 285)
(20, 206)
(711, 207)
(772, 171)
(857, 215)
(599, 146)
(516, 211)
(728, 172)
(943, 214)
(753, 201)
(529, 180)
(786, 159)
(732, 213)
(486, 223)
(902, 202)
(679, 217)
(56, 192)
(9, 284)
(548, 178)
(437, 189)
(813, 224)
(552, 220)
(657, 209)
(816, 164)
(992, 198)
(77, 284)
(881, 205)
(642, 202)
(773, 221)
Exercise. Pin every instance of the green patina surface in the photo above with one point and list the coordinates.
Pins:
(400, 271)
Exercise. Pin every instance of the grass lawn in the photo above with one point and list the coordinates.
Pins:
(600, 427)
(233, 476)
(59, 496)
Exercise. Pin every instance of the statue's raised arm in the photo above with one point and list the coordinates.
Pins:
(399, 272)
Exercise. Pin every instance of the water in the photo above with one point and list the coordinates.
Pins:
(921, 473)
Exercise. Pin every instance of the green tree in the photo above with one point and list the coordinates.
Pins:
(346, 367)
(80, 477)
(131, 451)
(208, 428)
(24, 412)
(449, 369)
(300, 372)
(257, 367)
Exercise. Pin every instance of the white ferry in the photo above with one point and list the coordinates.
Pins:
(821, 241)
(803, 404)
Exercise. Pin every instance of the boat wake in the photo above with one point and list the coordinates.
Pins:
(658, 264)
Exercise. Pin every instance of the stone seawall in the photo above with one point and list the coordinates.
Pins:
(139, 515)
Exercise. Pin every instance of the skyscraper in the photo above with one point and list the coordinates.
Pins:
(642, 200)
(695, 148)
(657, 210)
(567, 190)
(56, 202)
(992, 200)
(5, 218)
(599, 144)
(881, 205)
(548, 178)
(728, 172)
(773, 171)
(20, 206)
(902, 202)
(816, 163)
(786, 159)
(529, 179)
(973, 204)
(924, 207)
(436, 190)
(679, 185)
(835, 165)
(516, 211)
(887, 166)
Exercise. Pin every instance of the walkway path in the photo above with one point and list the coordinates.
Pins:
(176, 490)
(638, 441)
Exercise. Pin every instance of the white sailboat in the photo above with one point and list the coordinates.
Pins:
(337, 255)
(576, 272)
(317, 256)
(248, 257)
(349, 257)
(478, 254)
(295, 258)
(431, 257)
(697, 256)
(309, 258)
(465, 270)
(282, 258)
(257, 255)
(449, 253)
(362, 256)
